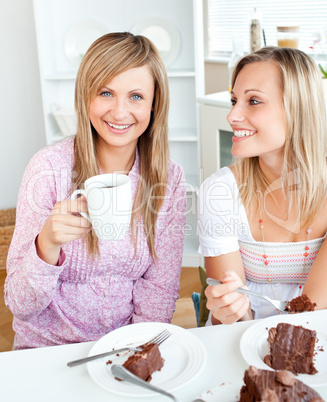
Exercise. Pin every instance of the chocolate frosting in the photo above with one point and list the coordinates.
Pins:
(265, 385)
(291, 348)
(285, 378)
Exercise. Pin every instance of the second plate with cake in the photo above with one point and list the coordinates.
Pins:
(254, 344)
(183, 352)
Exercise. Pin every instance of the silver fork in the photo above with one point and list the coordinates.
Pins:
(278, 304)
(123, 374)
(158, 339)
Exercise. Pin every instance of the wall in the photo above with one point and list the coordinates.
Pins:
(22, 126)
(216, 77)
(22, 132)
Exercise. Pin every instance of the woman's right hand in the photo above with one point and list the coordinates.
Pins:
(226, 305)
(63, 225)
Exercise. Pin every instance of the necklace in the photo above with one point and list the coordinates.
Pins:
(266, 260)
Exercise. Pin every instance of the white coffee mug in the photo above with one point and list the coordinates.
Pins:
(109, 201)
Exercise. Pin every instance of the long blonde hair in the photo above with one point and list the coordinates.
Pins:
(306, 139)
(107, 57)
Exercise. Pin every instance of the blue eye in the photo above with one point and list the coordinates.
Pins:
(136, 97)
(105, 93)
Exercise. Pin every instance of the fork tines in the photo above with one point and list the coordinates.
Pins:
(158, 339)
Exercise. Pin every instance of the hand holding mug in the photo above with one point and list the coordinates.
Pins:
(62, 226)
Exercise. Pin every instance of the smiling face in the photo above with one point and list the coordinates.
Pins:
(258, 117)
(121, 110)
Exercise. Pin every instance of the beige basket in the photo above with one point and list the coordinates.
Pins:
(66, 119)
(7, 226)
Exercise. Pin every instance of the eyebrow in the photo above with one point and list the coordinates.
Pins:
(133, 90)
(138, 90)
(253, 89)
(249, 90)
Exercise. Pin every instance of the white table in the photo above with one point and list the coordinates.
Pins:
(41, 375)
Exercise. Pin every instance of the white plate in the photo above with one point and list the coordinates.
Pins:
(163, 34)
(226, 392)
(184, 355)
(254, 344)
(80, 36)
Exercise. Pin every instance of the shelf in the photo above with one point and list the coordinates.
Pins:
(180, 73)
(183, 139)
(190, 256)
(71, 75)
(65, 75)
(180, 134)
(175, 135)
(58, 137)
(221, 99)
(192, 260)
(174, 138)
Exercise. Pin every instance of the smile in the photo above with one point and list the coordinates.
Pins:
(119, 127)
(243, 133)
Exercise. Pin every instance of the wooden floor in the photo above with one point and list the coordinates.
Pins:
(184, 315)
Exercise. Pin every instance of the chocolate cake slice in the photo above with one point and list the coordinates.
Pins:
(145, 362)
(291, 348)
(300, 304)
(274, 386)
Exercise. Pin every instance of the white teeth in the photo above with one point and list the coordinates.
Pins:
(243, 133)
(118, 127)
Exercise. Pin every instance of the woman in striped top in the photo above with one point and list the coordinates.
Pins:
(263, 220)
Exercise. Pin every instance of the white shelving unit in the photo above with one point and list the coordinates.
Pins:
(55, 18)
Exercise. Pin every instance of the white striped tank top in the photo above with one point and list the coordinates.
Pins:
(286, 261)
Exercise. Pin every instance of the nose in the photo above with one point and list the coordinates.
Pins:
(119, 109)
(236, 114)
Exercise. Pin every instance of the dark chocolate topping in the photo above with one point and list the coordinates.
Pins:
(262, 385)
(291, 349)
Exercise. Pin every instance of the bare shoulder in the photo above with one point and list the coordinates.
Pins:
(320, 223)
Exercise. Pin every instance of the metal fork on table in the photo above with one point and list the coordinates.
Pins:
(278, 304)
(123, 374)
(158, 339)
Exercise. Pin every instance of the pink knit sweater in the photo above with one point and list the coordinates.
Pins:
(82, 299)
